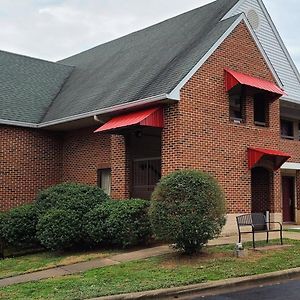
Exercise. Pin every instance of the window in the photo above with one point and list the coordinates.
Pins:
(260, 110)
(104, 180)
(236, 107)
(287, 129)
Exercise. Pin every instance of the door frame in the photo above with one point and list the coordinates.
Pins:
(293, 176)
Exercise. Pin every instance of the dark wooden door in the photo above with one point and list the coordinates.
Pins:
(288, 198)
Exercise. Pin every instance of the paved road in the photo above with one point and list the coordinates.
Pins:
(289, 290)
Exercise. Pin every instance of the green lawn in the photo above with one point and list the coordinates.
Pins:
(159, 272)
(45, 260)
(292, 230)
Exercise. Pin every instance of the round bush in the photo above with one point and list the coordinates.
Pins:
(70, 196)
(95, 224)
(18, 226)
(187, 209)
(58, 229)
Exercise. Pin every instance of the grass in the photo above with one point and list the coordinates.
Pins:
(292, 230)
(160, 272)
(45, 260)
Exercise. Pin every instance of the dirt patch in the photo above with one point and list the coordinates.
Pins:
(175, 260)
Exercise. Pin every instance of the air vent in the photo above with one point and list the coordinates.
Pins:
(253, 18)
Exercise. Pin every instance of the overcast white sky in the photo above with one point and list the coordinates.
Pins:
(55, 29)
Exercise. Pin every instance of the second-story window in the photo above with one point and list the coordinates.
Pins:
(260, 110)
(287, 129)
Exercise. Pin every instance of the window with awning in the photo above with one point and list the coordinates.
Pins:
(234, 80)
(239, 86)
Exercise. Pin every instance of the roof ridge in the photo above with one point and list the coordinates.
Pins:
(58, 92)
(35, 58)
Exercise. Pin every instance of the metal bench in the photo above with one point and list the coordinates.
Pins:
(258, 223)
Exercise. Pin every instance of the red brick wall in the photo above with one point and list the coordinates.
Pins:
(84, 152)
(199, 135)
(261, 182)
(30, 160)
(119, 168)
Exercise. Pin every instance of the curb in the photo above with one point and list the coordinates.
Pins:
(207, 287)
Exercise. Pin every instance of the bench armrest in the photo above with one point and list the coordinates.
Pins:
(276, 223)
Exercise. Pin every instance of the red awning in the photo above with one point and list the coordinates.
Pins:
(233, 78)
(152, 117)
(271, 158)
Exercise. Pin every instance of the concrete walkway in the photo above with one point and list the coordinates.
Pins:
(85, 266)
(124, 257)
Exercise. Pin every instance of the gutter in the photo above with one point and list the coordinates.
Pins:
(94, 113)
(17, 123)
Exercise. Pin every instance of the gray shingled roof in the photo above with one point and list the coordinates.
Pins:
(28, 86)
(146, 63)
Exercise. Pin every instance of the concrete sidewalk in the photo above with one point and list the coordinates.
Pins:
(85, 266)
(124, 257)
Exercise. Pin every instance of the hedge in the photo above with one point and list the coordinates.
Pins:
(121, 223)
(70, 196)
(18, 226)
(59, 229)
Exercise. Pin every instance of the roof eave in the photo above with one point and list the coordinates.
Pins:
(18, 123)
(99, 112)
(288, 99)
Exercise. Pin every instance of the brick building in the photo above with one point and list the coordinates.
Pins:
(213, 89)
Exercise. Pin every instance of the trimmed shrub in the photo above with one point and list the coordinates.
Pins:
(58, 229)
(121, 223)
(70, 196)
(95, 226)
(2, 217)
(18, 226)
(128, 222)
(188, 209)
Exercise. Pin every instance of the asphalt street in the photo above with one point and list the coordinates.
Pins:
(288, 290)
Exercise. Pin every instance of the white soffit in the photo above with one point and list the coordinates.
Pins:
(290, 166)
